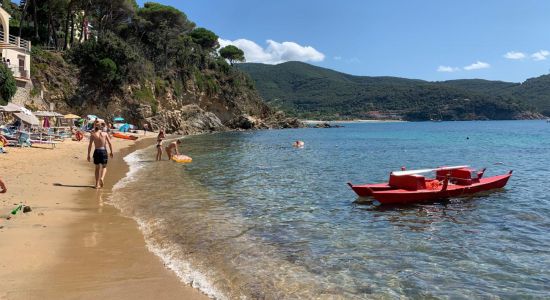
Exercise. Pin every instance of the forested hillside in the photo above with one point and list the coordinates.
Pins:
(308, 91)
(150, 63)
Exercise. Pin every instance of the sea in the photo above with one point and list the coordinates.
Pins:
(254, 218)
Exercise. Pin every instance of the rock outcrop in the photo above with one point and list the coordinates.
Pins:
(177, 105)
(190, 119)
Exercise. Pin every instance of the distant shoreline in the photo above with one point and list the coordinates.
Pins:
(351, 121)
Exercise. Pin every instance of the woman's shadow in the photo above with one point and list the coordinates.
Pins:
(74, 186)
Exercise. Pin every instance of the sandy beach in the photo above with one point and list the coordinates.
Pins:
(72, 245)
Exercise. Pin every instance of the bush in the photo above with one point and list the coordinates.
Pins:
(108, 70)
(8, 86)
(145, 95)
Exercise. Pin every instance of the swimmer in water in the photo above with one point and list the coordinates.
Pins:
(298, 144)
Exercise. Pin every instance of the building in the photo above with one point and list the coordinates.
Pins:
(15, 51)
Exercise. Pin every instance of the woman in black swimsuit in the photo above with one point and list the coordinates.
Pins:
(160, 137)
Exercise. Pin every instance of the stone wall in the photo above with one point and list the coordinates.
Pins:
(23, 98)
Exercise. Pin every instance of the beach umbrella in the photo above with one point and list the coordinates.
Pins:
(29, 119)
(71, 116)
(52, 114)
(26, 116)
(46, 122)
(10, 108)
(118, 119)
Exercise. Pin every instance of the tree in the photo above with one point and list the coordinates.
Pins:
(160, 26)
(232, 53)
(109, 14)
(7, 84)
(108, 60)
(204, 37)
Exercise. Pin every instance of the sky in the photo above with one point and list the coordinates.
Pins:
(423, 39)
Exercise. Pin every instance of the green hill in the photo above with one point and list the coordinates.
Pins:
(481, 85)
(308, 91)
(535, 91)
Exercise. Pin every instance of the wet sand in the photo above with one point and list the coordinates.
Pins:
(71, 245)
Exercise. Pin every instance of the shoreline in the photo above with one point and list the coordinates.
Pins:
(350, 121)
(72, 245)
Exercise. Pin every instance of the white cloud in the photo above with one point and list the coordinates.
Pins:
(515, 55)
(540, 55)
(275, 52)
(477, 66)
(447, 69)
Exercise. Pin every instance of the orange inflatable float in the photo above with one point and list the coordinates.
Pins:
(125, 136)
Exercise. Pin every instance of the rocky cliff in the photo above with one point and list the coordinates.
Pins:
(204, 102)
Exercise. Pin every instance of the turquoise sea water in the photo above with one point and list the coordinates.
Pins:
(252, 217)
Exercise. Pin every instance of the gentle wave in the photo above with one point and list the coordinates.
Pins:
(166, 252)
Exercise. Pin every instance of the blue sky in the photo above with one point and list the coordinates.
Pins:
(425, 39)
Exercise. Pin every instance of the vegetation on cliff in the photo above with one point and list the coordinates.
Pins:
(7, 84)
(308, 91)
(116, 58)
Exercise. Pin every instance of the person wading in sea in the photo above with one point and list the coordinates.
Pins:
(100, 140)
(172, 149)
(161, 136)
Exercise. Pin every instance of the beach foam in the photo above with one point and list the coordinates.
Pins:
(169, 253)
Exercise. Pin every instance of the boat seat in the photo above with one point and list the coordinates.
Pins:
(408, 182)
(463, 176)
(433, 184)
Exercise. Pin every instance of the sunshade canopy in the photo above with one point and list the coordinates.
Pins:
(10, 107)
(47, 114)
(118, 119)
(71, 116)
(26, 116)
(422, 171)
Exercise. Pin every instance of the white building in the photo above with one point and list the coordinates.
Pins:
(15, 52)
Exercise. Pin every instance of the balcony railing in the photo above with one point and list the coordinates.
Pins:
(23, 73)
(19, 72)
(16, 41)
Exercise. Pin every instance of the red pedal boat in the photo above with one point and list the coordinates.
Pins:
(407, 187)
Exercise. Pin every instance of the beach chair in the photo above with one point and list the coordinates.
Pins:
(43, 139)
(24, 139)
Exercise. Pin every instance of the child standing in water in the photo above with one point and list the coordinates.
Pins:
(160, 137)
